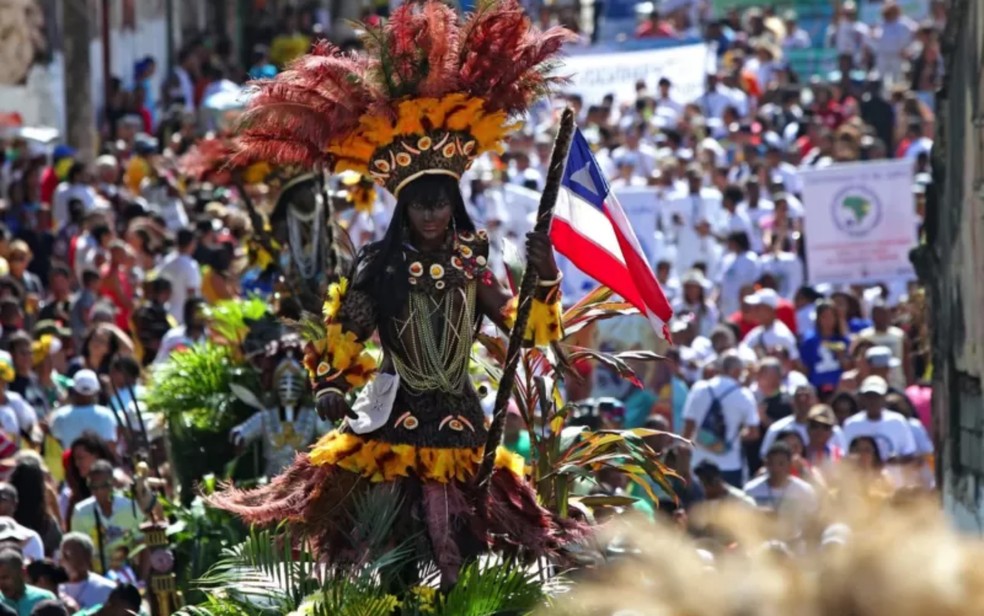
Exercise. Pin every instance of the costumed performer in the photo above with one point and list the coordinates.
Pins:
(430, 95)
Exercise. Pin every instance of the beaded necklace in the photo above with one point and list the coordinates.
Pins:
(436, 336)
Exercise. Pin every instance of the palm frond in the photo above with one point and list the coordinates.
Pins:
(487, 590)
(263, 572)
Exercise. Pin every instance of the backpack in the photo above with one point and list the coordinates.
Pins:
(713, 431)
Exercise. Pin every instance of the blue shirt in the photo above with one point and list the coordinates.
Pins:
(680, 391)
(822, 366)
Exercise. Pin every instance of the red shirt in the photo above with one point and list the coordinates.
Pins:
(831, 114)
(784, 312)
(903, 147)
(650, 30)
(744, 324)
(125, 290)
(49, 182)
(148, 120)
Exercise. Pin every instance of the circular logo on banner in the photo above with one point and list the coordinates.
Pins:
(856, 210)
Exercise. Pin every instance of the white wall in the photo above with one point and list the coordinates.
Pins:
(41, 101)
(126, 47)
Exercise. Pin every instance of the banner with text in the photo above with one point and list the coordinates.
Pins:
(860, 222)
(595, 75)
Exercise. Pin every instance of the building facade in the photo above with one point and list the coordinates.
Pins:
(951, 265)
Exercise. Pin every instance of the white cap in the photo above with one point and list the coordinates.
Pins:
(86, 383)
(763, 297)
(874, 385)
(881, 357)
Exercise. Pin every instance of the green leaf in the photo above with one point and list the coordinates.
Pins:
(606, 501)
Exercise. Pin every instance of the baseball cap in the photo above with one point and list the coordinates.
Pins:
(62, 151)
(823, 414)
(881, 357)
(763, 297)
(52, 328)
(9, 529)
(874, 385)
(86, 383)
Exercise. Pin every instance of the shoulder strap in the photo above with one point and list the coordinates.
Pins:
(726, 393)
(100, 539)
(719, 399)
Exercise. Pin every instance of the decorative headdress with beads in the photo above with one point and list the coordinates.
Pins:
(428, 95)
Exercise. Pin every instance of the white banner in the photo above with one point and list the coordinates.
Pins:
(595, 75)
(860, 222)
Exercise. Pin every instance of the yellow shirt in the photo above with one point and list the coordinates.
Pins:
(288, 47)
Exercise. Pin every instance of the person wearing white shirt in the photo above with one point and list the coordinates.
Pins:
(796, 37)
(181, 269)
(10, 530)
(804, 401)
(792, 499)
(672, 289)
(735, 220)
(693, 300)
(625, 173)
(184, 90)
(776, 167)
(771, 332)
(788, 270)
(717, 436)
(890, 42)
(691, 217)
(739, 268)
(715, 99)
(83, 414)
(85, 586)
(524, 174)
(922, 145)
(755, 205)
(889, 429)
(73, 188)
(17, 417)
(643, 155)
(847, 35)
(665, 105)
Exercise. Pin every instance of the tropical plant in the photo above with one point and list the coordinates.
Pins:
(192, 391)
(198, 535)
(564, 456)
(268, 574)
(231, 320)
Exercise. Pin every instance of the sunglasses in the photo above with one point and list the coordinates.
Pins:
(102, 485)
(816, 425)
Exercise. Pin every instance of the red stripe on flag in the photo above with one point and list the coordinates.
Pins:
(594, 261)
(644, 279)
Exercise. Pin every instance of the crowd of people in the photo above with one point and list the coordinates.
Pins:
(107, 267)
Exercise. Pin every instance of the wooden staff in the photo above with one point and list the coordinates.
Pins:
(555, 174)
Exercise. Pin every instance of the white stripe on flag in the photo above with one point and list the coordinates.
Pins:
(589, 222)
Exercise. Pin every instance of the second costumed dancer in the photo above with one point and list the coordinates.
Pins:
(428, 96)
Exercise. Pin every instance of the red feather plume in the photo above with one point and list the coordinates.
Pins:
(422, 51)
(207, 160)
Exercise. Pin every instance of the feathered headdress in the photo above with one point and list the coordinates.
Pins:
(208, 160)
(428, 95)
